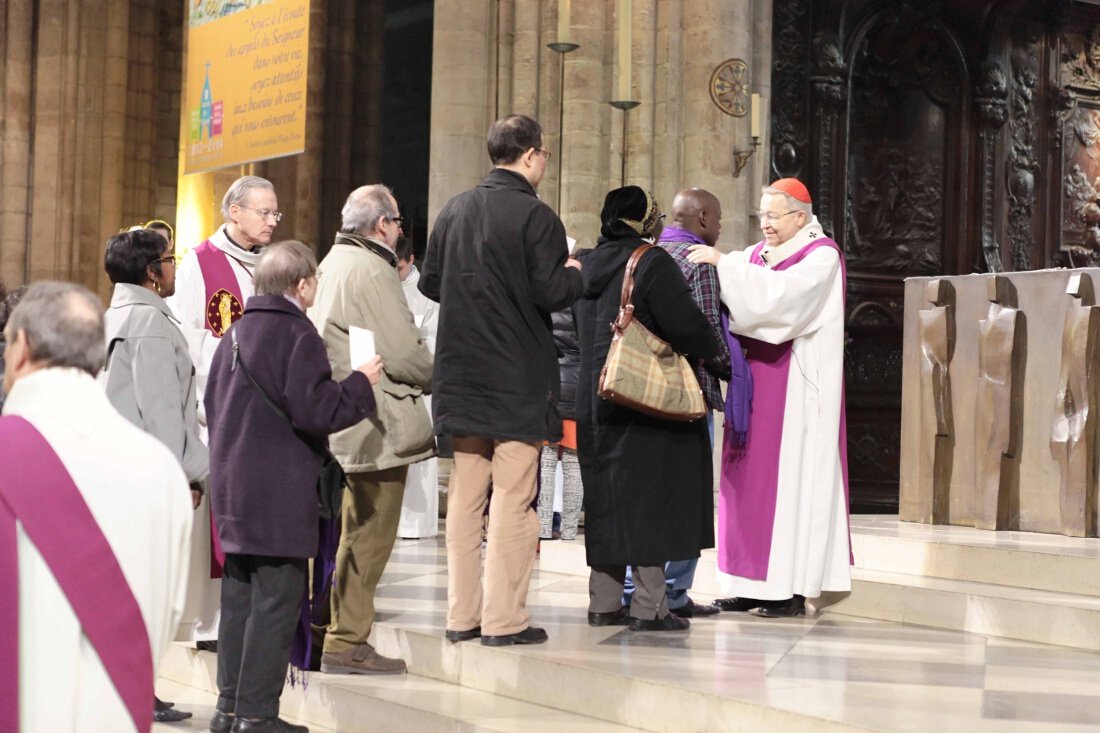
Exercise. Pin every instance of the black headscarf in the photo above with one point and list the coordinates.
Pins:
(628, 213)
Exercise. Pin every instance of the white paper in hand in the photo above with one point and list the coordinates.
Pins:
(361, 345)
(571, 243)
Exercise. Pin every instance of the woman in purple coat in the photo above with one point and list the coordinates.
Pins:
(263, 478)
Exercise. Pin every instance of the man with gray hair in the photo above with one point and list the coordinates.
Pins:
(95, 519)
(359, 288)
(213, 284)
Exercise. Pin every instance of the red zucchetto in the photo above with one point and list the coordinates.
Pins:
(793, 188)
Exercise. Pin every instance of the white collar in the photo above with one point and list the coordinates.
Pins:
(220, 239)
(61, 394)
(774, 255)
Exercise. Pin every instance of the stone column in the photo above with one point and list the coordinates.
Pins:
(463, 98)
(16, 137)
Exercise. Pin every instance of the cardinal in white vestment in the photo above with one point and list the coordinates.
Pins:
(783, 502)
(94, 475)
(213, 285)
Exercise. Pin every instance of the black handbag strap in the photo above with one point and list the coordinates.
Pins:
(237, 360)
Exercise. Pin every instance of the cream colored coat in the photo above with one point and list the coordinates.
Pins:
(358, 286)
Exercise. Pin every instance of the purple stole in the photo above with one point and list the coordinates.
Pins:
(224, 302)
(750, 473)
(224, 305)
(37, 492)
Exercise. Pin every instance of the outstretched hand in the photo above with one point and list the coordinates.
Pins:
(704, 254)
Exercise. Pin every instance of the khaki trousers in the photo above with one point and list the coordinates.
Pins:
(511, 468)
(370, 512)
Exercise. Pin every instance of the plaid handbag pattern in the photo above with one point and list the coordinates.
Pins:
(642, 371)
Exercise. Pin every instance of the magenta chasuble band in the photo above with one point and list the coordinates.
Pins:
(37, 492)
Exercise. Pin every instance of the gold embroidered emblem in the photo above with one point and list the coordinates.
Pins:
(222, 310)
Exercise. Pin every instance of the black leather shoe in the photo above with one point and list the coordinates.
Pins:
(609, 618)
(668, 623)
(222, 722)
(795, 606)
(530, 635)
(267, 725)
(473, 633)
(210, 645)
(169, 715)
(740, 605)
(691, 609)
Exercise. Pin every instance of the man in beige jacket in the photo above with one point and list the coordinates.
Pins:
(358, 286)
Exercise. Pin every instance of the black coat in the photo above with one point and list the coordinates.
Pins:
(263, 473)
(569, 361)
(648, 483)
(496, 265)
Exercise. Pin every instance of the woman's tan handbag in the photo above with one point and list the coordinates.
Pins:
(644, 372)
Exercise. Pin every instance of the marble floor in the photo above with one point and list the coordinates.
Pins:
(825, 672)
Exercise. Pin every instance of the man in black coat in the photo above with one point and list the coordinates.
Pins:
(263, 478)
(498, 265)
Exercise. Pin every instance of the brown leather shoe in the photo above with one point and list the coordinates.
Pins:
(360, 660)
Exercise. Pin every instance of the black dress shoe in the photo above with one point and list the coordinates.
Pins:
(159, 704)
(530, 635)
(668, 623)
(795, 606)
(222, 722)
(691, 609)
(740, 605)
(267, 725)
(169, 715)
(609, 618)
(210, 645)
(463, 635)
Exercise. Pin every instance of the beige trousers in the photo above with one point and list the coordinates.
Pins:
(511, 468)
(370, 513)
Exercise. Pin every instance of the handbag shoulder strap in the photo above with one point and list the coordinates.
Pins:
(263, 395)
(631, 266)
(238, 360)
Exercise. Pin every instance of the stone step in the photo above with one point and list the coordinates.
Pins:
(1025, 614)
(398, 703)
(617, 689)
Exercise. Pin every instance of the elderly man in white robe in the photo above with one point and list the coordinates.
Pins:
(213, 285)
(95, 522)
(783, 502)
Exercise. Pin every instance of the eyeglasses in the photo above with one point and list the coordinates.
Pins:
(771, 217)
(546, 153)
(265, 213)
(398, 220)
(169, 258)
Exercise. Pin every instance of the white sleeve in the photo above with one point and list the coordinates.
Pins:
(189, 306)
(777, 305)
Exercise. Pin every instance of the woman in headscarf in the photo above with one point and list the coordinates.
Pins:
(648, 481)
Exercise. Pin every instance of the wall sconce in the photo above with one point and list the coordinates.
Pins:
(741, 157)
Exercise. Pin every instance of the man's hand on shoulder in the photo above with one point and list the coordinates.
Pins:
(573, 262)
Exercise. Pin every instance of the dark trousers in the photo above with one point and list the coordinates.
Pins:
(261, 605)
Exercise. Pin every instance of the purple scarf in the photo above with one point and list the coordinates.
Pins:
(739, 391)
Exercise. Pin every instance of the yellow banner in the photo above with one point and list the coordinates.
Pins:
(245, 96)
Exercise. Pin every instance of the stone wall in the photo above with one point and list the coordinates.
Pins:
(677, 137)
(89, 119)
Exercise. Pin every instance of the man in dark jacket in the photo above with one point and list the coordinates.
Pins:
(498, 265)
(263, 478)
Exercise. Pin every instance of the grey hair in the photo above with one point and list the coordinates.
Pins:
(239, 189)
(282, 266)
(63, 323)
(365, 206)
(792, 202)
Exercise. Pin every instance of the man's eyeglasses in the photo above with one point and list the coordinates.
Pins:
(546, 153)
(771, 217)
(398, 220)
(277, 216)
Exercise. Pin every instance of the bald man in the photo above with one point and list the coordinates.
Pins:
(696, 219)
